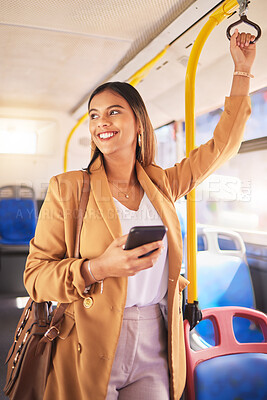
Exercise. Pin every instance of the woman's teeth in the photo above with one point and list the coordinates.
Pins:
(107, 135)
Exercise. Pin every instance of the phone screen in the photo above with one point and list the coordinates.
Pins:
(140, 235)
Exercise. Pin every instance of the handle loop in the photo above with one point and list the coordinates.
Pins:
(243, 18)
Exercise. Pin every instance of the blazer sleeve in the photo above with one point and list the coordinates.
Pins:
(49, 273)
(204, 160)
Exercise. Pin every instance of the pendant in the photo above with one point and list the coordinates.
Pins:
(127, 196)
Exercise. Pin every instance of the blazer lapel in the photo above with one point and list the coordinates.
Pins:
(159, 201)
(169, 218)
(103, 198)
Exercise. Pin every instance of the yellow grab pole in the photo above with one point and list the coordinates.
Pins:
(81, 120)
(144, 71)
(226, 9)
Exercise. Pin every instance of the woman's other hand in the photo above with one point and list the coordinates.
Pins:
(117, 262)
(243, 52)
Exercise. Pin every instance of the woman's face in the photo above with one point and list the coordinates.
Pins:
(112, 124)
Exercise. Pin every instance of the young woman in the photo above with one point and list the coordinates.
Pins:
(122, 335)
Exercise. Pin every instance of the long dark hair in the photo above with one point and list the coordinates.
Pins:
(145, 153)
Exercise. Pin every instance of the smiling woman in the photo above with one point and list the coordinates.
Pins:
(112, 116)
(117, 117)
(129, 100)
(117, 298)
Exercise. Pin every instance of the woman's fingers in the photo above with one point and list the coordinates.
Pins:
(116, 261)
(253, 37)
(235, 38)
(134, 260)
(242, 39)
(146, 248)
(140, 264)
(150, 260)
(247, 39)
(120, 241)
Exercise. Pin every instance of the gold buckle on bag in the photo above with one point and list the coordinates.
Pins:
(48, 332)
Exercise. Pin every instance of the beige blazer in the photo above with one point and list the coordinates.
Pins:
(89, 334)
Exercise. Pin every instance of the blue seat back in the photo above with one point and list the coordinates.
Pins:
(229, 369)
(225, 281)
(235, 376)
(18, 217)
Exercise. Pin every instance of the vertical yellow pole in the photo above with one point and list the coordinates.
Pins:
(219, 15)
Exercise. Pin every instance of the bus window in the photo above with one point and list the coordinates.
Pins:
(234, 196)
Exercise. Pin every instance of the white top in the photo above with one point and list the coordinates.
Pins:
(149, 286)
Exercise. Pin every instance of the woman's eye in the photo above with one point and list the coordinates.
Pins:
(93, 116)
(114, 112)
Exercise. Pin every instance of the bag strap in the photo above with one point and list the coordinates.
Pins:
(53, 330)
(81, 212)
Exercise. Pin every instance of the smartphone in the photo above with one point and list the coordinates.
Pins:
(140, 235)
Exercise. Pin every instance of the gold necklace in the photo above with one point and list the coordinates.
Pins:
(125, 194)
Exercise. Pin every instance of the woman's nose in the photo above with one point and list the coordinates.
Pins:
(103, 121)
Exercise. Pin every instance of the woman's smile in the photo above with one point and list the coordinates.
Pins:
(111, 116)
(107, 135)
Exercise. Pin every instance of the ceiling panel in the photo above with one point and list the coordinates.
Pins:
(47, 69)
(117, 18)
(55, 52)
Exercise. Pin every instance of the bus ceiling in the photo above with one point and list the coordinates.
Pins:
(53, 57)
(165, 102)
(211, 19)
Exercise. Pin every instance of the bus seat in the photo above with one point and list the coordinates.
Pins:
(229, 369)
(18, 215)
(201, 244)
(257, 261)
(224, 280)
(222, 241)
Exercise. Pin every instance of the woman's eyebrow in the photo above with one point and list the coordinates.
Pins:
(113, 106)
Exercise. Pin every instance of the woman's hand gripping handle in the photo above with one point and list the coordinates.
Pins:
(243, 53)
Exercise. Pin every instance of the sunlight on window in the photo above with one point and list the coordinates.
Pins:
(14, 141)
(22, 301)
(166, 140)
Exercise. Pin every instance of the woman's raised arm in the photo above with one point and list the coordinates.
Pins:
(228, 134)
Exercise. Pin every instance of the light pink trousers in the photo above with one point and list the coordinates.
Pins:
(140, 368)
